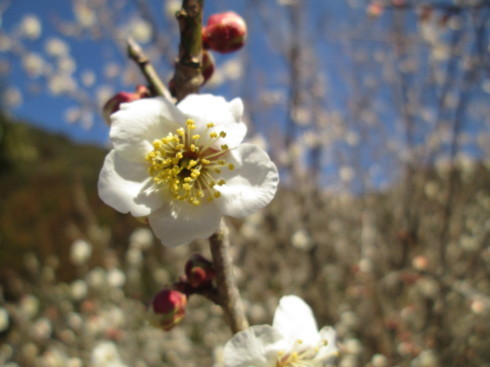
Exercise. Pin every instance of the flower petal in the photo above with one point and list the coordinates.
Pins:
(251, 185)
(235, 132)
(294, 320)
(206, 108)
(138, 123)
(256, 346)
(226, 116)
(126, 186)
(328, 346)
(179, 222)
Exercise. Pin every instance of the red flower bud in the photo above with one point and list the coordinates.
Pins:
(375, 9)
(207, 66)
(199, 271)
(112, 105)
(225, 32)
(167, 308)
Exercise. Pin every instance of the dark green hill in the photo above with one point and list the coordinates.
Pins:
(48, 185)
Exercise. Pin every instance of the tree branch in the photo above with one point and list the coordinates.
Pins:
(228, 295)
(188, 78)
(136, 54)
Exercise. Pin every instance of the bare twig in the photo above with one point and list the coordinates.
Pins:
(228, 295)
(136, 54)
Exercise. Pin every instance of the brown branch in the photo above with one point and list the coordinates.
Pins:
(136, 54)
(188, 78)
(228, 295)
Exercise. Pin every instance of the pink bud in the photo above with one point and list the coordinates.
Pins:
(112, 105)
(207, 66)
(199, 271)
(167, 308)
(375, 9)
(225, 32)
(420, 263)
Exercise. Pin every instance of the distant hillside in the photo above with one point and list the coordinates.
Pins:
(40, 174)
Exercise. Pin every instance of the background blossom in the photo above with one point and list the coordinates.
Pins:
(292, 340)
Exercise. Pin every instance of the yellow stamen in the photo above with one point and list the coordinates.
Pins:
(186, 168)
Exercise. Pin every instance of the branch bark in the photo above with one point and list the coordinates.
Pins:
(188, 78)
(228, 295)
(136, 54)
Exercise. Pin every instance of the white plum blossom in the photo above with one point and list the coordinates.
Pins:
(293, 340)
(184, 167)
(4, 319)
(106, 354)
(80, 252)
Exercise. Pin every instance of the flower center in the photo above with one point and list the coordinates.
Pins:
(187, 167)
(300, 357)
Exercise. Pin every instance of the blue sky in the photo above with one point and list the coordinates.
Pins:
(335, 33)
(43, 109)
(47, 111)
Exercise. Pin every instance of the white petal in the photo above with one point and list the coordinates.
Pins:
(126, 186)
(206, 108)
(294, 320)
(251, 185)
(256, 346)
(226, 116)
(328, 344)
(138, 123)
(235, 132)
(179, 222)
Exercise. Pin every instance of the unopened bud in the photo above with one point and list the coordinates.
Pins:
(199, 271)
(167, 308)
(375, 9)
(420, 263)
(207, 66)
(112, 105)
(224, 32)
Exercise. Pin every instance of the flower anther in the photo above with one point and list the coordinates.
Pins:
(186, 167)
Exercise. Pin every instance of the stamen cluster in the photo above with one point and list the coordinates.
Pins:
(303, 357)
(187, 167)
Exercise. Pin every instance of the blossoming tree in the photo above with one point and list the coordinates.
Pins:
(183, 166)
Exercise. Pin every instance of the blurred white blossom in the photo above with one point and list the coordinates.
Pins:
(140, 30)
(79, 290)
(81, 251)
(116, 278)
(33, 64)
(4, 319)
(301, 239)
(30, 27)
(141, 238)
(84, 15)
(292, 340)
(56, 47)
(29, 306)
(106, 354)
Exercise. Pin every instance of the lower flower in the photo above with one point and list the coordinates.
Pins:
(293, 340)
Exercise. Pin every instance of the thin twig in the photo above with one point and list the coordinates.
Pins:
(136, 54)
(228, 295)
